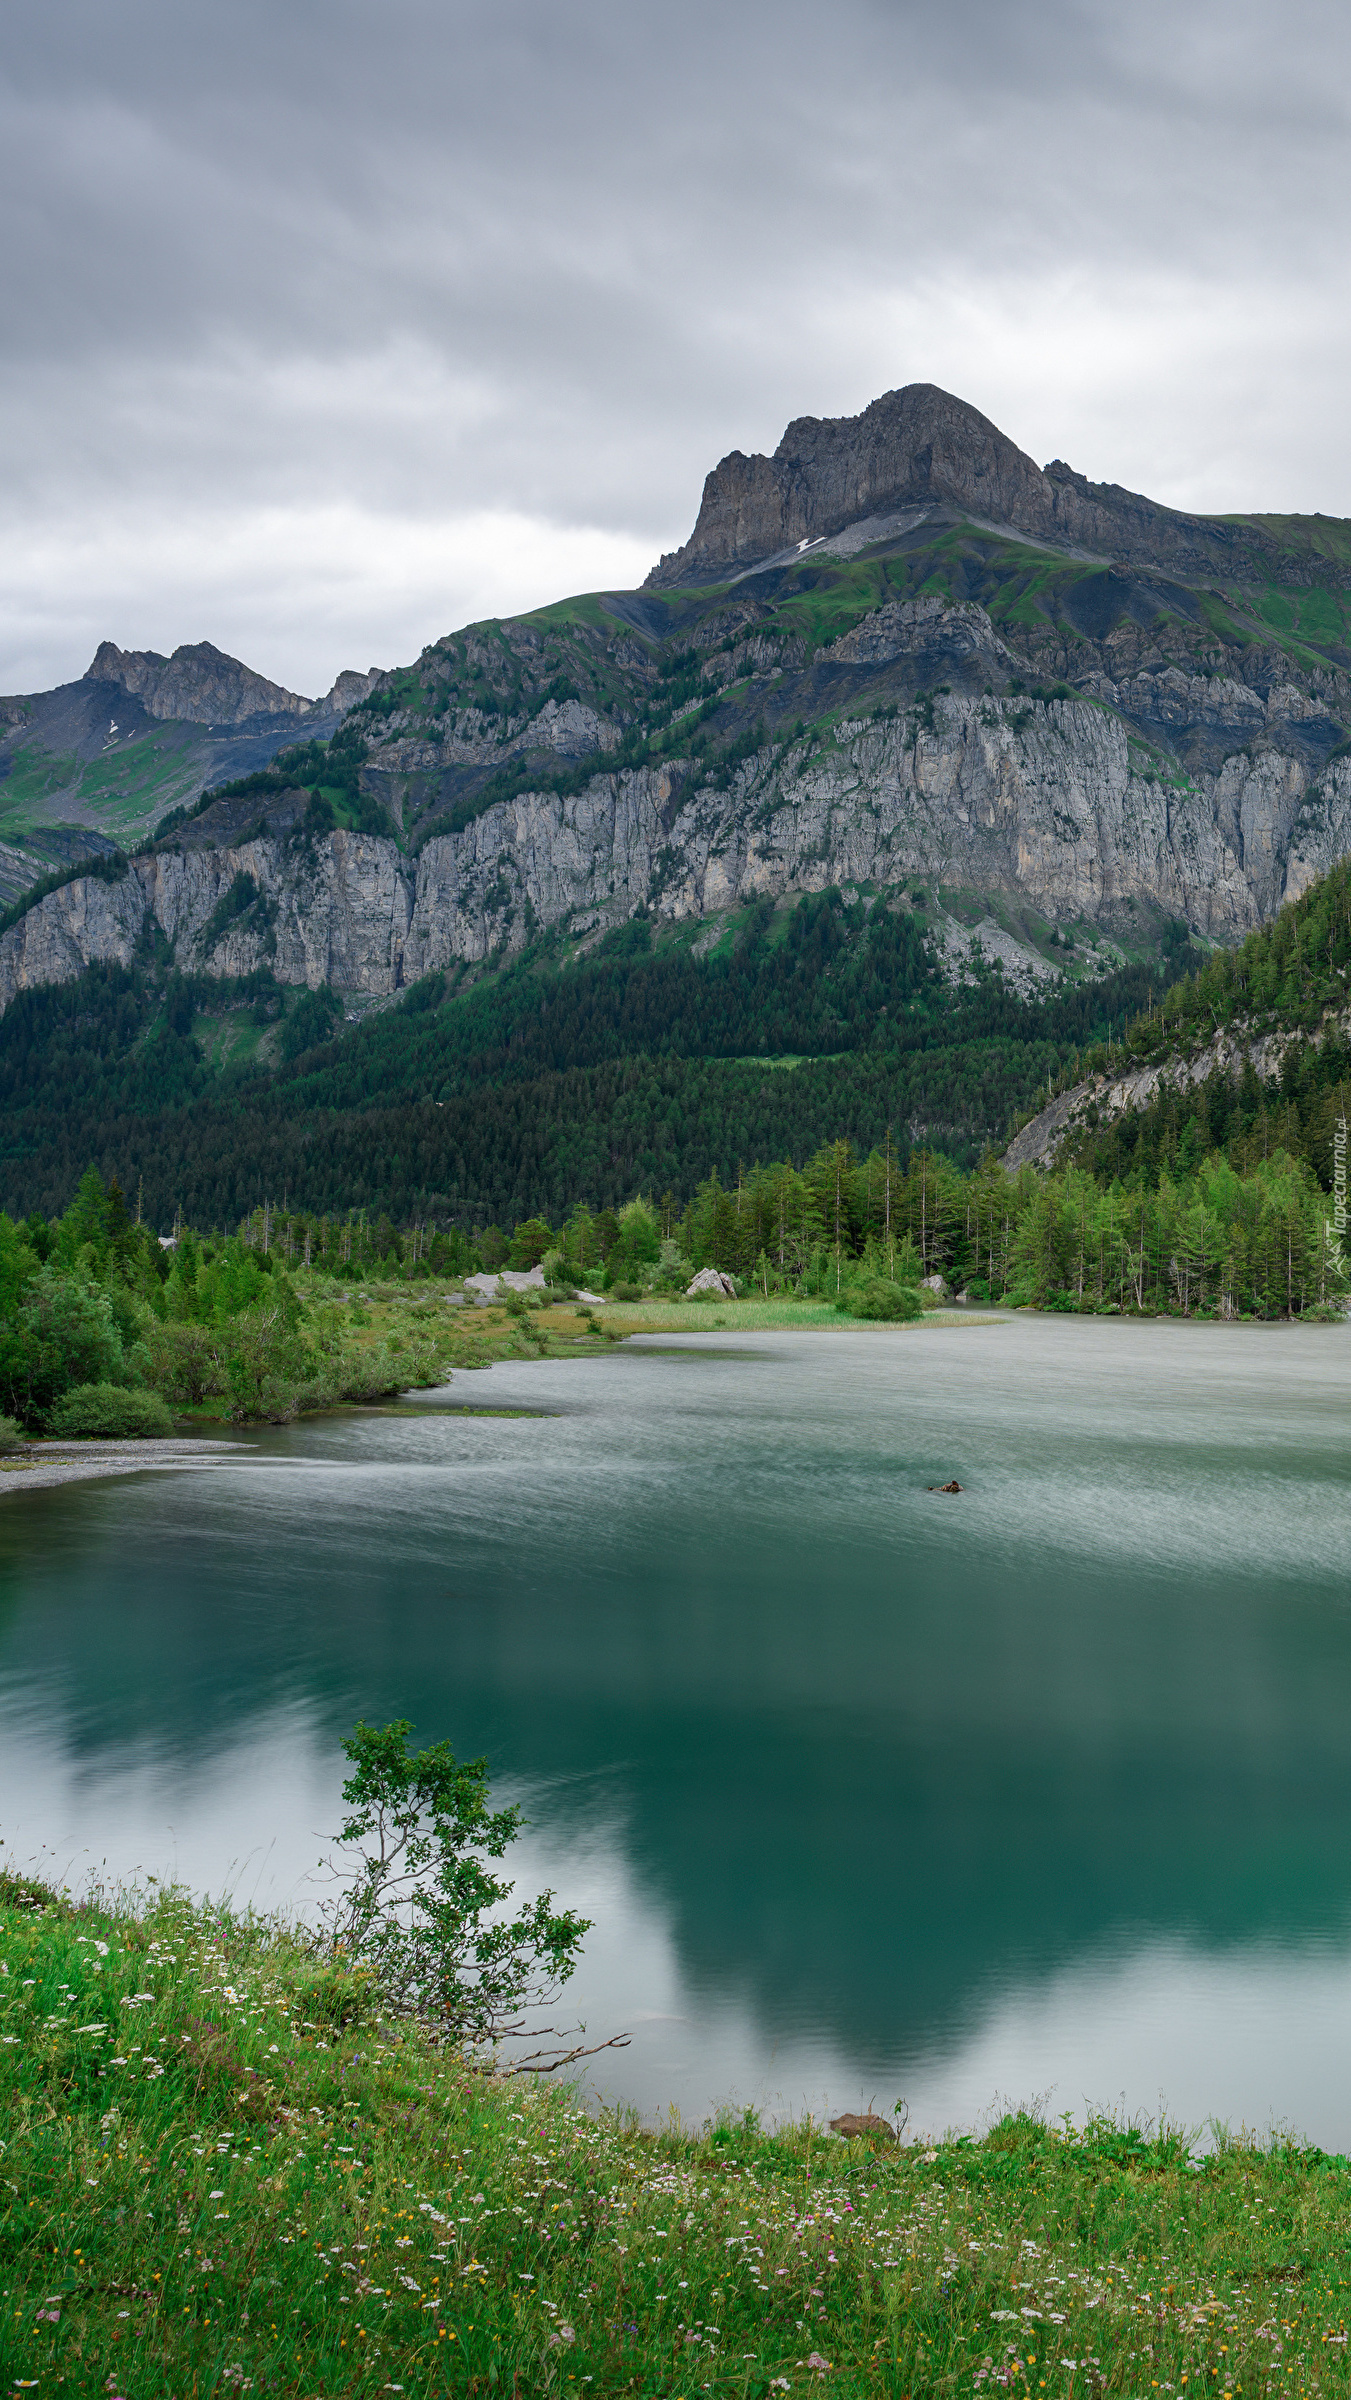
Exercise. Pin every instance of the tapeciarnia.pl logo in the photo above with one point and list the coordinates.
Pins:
(1339, 1191)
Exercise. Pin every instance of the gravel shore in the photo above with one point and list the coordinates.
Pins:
(44, 1463)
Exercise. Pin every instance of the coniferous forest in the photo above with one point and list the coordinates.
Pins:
(818, 1116)
(637, 1067)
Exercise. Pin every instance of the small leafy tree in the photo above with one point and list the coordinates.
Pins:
(64, 1333)
(422, 1910)
(639, 1244)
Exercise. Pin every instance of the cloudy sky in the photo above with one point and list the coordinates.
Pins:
(325, 328)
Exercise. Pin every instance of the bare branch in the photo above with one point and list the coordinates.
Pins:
(547, 2062)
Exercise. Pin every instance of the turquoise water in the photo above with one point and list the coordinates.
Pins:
(1043, 1790)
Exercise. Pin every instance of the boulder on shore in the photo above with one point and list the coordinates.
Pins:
(709, 1279)
(852, 2126)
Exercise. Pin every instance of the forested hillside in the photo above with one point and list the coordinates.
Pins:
(1283, 997)
(549, 1098)
(793, 1104)
(640, 1066)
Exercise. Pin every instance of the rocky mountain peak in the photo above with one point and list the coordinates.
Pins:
(348, 689)
(199, 685)
(918, 447)
(911, 447)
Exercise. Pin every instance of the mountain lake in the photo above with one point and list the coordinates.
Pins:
(1039, 1791)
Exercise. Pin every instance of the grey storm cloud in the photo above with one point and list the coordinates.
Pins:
(327, 327)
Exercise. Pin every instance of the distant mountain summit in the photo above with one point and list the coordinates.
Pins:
(201, 685)
(92, 766)
(920, 448)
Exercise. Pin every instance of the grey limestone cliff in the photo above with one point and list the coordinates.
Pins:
(199, 684)
(1054, 800)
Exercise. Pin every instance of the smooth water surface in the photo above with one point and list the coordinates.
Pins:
(1037, 1791)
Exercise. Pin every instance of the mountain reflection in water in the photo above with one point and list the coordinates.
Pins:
(870, 1789)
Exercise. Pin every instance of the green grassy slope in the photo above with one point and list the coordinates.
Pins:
(223, 2173)
(122, 795)
(66, 765)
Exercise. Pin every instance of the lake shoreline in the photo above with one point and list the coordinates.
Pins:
(705, 1617)
(46, 1464)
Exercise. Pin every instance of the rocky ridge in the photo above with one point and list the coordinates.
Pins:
(992, 723)
(1053, 799)
(202, 685)
(1113, 1093)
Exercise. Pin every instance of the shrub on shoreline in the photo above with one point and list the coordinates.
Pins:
(880, 1303)
(106, 1412)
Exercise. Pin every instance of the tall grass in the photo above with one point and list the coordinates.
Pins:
(760, 1316)
(222, 2172)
